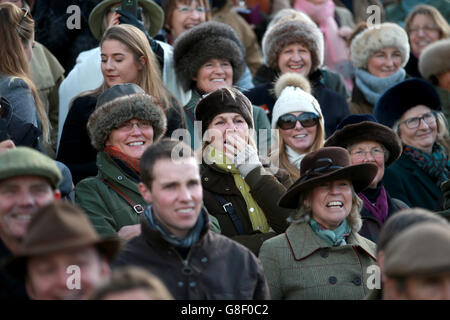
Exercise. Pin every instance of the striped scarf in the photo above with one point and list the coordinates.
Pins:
(436, 164)
(132, 163)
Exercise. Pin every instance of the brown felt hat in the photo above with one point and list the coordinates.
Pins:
(59, 226)
(422, 249)
(328, 164)
(356, 128)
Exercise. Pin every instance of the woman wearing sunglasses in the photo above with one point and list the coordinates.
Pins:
(298, 118)
(412, 109)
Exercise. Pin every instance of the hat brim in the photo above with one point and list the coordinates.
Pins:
(361, 175)
(367, 131)
(108, 247)
(154, 12)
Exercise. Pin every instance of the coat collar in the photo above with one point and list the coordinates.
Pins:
(303, 242)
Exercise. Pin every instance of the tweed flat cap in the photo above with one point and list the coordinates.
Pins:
(23, 161)
(422, 249)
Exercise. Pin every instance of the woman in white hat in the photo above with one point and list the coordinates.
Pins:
(297, 123)
(379, 55)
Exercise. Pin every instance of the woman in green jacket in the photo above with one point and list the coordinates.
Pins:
(126, 122)
(321, 256)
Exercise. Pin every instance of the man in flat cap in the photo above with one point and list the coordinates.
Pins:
(28, 181)
(63, 256)
(417, 263)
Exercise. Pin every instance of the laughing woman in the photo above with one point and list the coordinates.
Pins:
(238, 190)
(321, 256)
(126, 123)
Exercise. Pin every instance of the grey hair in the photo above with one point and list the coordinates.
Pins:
(303, 213)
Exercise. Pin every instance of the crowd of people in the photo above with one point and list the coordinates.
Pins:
(225, 150)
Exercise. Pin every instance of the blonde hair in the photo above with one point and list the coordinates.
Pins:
(149, 78)
(282, 158)
(433, 13)
(304, 211)
(16, 29)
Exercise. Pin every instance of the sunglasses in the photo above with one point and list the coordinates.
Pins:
(26, 12)
(288, 121)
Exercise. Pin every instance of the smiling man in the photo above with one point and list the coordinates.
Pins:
(176, 243)
(28, 181)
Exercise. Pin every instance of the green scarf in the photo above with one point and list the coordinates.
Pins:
(256, 214)
(334, 237)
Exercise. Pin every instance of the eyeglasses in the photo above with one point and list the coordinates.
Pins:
(128, 126)
(26, 11)
(288, 121)
(412, 123)
(328, 165)
(361, 154)
(426, 29)
(187, 9)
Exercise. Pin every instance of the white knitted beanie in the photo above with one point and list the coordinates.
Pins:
(294, 94)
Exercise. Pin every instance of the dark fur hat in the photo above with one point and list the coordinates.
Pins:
(221, 101)
(115, 112)
(208, 40)
(403, 96)
(364, 127)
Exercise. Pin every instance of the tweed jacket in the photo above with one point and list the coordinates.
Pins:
(407, 182)
(265, 190)
(214, 268)
(299, 265)
(106, 209)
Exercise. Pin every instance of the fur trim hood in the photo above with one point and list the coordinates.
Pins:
(288, 31)
(111, 114)
(435, 59)
(208, 40)
(369, 41)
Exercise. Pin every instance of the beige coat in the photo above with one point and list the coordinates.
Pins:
(299, 265)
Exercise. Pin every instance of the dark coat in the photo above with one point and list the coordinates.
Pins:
(215, 267)
(371, 227)
(75, 149)
(334, 106)
(358, 103)
(407, 182)
(300, 265)
(265, 190)
(11, 289)
(14, 128)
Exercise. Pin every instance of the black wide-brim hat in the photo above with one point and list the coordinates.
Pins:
(364, 127)
(327, 164)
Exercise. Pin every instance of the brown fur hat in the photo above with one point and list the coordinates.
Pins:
(208, 40)
(435, 59)
(289, 31)
(119, 110)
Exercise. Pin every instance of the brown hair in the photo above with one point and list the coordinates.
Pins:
(170, 5)
(434, 14)
(16, 29)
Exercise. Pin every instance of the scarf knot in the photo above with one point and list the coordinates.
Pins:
(436, 164)
(334, 237)
(130, 162)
